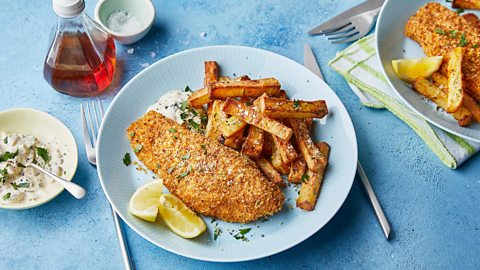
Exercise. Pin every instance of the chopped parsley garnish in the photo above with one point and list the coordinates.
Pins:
(449, 1)
(304, 178)
(204, 119)
(8, 155)
(126, 159)
(475, 46)
(184, 105)
(6, 196)
(194, 124)
(187, 89)
(131, 134)
(440, 31)
(3, 175)
(463, 40)
(453, 33)
(187, 156)
(204, 149)
(175, 137)
(248, 103)
(172, 130)
(241, 234)
(138, 148)
(158, 166)
(213, 220)
(244, 231)
(43, 153)
(296, 104)
(5, 140)
(170, 170)
(460, 10)
(216, 233)
(21, 185)
(185, 173)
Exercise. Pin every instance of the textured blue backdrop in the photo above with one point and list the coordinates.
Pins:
(434, 211)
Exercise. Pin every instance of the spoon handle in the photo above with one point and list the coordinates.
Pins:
(74, 189)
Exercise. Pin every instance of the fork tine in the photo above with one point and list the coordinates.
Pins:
(97, 123)
(344, 35)
(350, 39)
(90, 122)
(338, 29)
(346, 28)
(100, 105)
(86, 134)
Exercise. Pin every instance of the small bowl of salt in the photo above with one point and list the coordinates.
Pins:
(128, 21)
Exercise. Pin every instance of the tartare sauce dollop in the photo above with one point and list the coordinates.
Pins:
(20, 183)
(174, 105)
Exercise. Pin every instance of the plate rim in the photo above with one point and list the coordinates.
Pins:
(74, 155)
(349, 127)
(428, 119)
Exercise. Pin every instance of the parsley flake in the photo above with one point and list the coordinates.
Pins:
(5, 140)
(440, 31)
(172, 130)
(126, 159)
(204, 149)
(182, 175)
(216, 233)
(296, 104)
(170, 170)
(187, 156)
(475, 46)
(131, 134)
(43, 153)
(305, 178)
(460, 10)
(244, 231)
(21, 185)
(8, 155)
(3, 175)
(138, 148)
(194, 124)
(453, 33)
(6, 196)
(187, 89)
(463, 40)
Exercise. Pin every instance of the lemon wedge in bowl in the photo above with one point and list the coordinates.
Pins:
(179, 218)
(411, 69)
(144, 202)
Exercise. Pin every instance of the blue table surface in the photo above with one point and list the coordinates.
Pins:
(434, 211)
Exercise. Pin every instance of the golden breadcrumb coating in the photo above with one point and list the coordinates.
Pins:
(438, 30)
(210, 178)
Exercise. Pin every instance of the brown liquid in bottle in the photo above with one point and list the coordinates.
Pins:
(78, 70)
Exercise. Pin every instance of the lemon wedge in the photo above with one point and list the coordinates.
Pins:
(144, 202)
(179, 218)
(410, 69)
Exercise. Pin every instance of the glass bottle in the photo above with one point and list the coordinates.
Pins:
(81, 59)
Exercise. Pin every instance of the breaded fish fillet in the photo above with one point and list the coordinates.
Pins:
(438, 30)
(210, 178)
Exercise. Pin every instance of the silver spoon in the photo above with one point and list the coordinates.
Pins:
(74, 189)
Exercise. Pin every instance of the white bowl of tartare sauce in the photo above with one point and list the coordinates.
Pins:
(31, 136)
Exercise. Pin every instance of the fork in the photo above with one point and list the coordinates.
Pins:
(90, 139)
(353, 28)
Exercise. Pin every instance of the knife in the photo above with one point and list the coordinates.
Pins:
(335, 21)
(310, 62)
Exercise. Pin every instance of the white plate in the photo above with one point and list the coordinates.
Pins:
(40, 124)
(280, 232)
(393, 44)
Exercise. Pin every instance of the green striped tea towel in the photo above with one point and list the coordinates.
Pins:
(359, 66)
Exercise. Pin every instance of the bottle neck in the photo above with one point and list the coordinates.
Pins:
(72, 23)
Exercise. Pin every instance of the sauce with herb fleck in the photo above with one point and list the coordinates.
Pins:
(19, 183)
(174, 105)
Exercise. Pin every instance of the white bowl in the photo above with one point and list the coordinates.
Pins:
(142, 9)
(41, 124)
